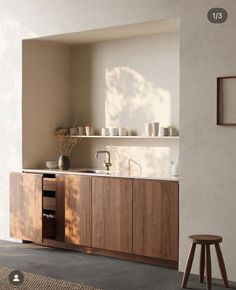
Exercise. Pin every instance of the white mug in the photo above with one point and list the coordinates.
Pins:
(81, 131)
(122, 132)
(171, 131)
(114, 131)
(105, 131)
(89, 130)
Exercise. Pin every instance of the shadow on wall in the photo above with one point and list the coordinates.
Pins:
(133, 100)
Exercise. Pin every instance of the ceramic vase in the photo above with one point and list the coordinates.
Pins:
(64, 162)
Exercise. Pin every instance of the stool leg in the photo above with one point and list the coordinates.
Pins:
(222, 265)
(208, 267)
(202, 263)
(188, 266)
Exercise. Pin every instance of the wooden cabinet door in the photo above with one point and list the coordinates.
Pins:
(78, 213)
(26, 206)
(112, 214)
(155, 219)
(60, 207)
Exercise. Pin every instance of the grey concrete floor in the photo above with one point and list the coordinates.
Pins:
(96, 271)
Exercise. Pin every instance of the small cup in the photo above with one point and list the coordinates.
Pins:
(171, 131)
(148, 129)
(155, 129)
(164, 131)
(89, 131)
(105, 131)
(114, 131)
(73, 131)
(81, 131)
(122, 132)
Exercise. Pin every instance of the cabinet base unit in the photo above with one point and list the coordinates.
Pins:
(126, 218)
(155, 219)
(112, 214)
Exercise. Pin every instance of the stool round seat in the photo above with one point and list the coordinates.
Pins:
(205, 242)
(206, 239)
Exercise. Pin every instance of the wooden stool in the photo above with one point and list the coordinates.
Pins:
(205, 241)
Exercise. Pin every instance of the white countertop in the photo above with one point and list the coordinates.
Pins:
(77, 171)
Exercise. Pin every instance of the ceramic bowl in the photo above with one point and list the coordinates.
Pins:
(51, 164)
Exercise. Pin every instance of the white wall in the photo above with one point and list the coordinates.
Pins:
(207, 186)
(126, 83)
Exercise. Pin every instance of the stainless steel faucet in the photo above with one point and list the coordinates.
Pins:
(107, 163)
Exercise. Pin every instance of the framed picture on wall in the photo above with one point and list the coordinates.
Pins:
(226, 101)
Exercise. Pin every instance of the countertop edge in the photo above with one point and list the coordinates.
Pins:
(77, 172)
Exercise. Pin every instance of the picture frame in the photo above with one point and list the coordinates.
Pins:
(226, 101)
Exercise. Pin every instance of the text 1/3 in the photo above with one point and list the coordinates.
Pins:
(217, 15)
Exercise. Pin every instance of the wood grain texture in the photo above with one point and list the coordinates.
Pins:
(60, 207)
(112, 214)
(49, 184)
(155, 219)
(78, 212)
(49, 203)
(202, 264)
(208, 267)
(222, 265)
(206, 239)
(26, 206)
(188, 266)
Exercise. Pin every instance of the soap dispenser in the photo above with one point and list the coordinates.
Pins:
(175, 167)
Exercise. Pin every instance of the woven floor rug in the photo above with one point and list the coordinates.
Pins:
(38, 282)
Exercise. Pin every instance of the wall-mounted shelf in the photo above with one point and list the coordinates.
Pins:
(126, 137)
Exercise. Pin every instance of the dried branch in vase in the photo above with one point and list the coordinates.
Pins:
(66, 143)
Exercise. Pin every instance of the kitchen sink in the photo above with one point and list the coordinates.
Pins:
(87, 171)
(100, 172)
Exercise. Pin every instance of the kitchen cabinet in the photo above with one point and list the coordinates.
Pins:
(26, 206)
(78, 215)
(155, 219)
(112, 214)
(134, 219)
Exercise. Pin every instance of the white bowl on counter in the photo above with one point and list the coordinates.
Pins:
(53, 164)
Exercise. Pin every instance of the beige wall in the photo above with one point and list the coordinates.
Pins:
(207, 186)
(207, 151)
(126, 83)
(46, 92)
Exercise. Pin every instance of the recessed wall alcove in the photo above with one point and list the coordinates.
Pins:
(112, 77)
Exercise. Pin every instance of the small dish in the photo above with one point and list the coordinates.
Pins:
(51, 164)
